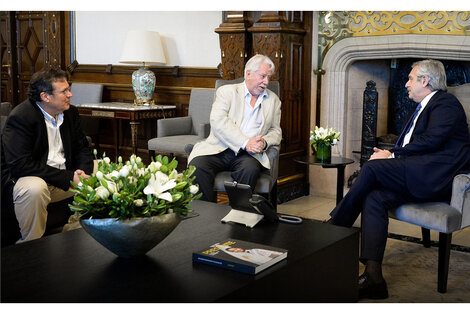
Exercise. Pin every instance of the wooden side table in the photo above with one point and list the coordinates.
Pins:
(126, 111)
(336, 162)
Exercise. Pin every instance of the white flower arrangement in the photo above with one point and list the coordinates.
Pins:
(127, 190)
(327, 136)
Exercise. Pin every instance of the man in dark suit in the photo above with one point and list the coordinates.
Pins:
(44, 149)
(433, 148)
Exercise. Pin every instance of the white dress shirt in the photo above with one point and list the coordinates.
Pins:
(407, 138)
(425, 101)
(56, 156)
(252, 116)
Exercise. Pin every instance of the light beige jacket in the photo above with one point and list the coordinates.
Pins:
(226, 118)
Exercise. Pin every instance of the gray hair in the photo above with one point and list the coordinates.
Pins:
(434, 70)
(255, 62)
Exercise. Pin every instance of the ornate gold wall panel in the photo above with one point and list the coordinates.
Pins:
(373, 23)
(337, 25)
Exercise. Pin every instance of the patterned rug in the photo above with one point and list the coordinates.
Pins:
(410, 270)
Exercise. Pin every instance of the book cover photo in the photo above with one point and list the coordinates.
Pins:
(239, 255)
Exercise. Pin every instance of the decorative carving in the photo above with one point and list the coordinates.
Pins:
(268, 44)
(369, 126)
(53, 42)
(335, 25)
(369, 121)
(332, 27)
(233, 54)
(374, 23)
(235, 43)
(72, 66)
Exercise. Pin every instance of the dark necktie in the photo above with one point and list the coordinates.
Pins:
(407, 127)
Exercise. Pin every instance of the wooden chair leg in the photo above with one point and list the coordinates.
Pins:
(443, 261)
(151, 154)
(426, 237)
(273, 196)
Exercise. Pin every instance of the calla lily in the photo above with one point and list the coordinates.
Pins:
(154, 166)
(112, 187)
(124, 171)
(102, 192)
(193, 189)
(158, 184)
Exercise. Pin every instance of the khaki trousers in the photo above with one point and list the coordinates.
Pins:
(31, 196)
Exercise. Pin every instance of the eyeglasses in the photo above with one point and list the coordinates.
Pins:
(65, 91)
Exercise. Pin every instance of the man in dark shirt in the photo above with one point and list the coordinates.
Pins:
(44, 149)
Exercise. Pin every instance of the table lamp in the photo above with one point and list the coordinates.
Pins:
(143, 47)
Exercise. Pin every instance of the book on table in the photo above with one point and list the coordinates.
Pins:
(239, 255)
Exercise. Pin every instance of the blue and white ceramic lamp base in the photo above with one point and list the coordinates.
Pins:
(143, 82)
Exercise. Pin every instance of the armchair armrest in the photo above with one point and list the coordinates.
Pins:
(461, 197)
(188, 148)
(174, 126)
(204, 130)
(273, 156)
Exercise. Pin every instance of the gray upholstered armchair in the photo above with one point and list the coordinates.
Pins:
(443, 217)
(88, 93)
(173, 134)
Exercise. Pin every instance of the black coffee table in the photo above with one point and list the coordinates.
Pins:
(336, 162)
(321, 266)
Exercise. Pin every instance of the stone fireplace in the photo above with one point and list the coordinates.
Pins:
(348, 65)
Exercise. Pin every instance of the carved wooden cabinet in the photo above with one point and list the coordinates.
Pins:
(30, 41)
(235, 43)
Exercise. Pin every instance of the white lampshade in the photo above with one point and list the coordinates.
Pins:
(142, 46)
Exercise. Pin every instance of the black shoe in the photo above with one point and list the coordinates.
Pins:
(367, 289)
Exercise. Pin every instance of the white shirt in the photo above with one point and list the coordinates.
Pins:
(252, 116)
(425, 101)
(56, 156)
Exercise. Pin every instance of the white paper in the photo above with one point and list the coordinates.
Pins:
(246, 218)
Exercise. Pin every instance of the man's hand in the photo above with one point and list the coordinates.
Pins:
(77, 174)
(255, 145)
(380, 154)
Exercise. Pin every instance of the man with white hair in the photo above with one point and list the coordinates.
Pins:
(245, 121)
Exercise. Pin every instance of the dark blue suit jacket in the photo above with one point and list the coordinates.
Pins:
(25, 146)
(439, 147)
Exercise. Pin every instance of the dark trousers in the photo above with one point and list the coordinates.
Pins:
(244, 169)
(379, 187)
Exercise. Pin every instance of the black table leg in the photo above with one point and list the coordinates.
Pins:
(340, 183)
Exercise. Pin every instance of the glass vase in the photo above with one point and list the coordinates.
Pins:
(323, 152)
